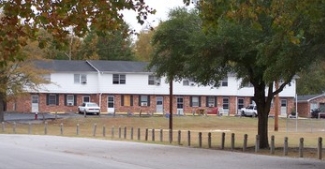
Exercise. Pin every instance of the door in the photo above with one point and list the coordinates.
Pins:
(110, 104)
(180, 105)
(35, 102)
(159, 104)
(283, 107)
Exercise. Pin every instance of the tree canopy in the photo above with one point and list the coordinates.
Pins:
(262, 42)
(21, 20)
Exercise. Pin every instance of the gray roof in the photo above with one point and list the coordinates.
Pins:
(64, 65)
(92, 66)
(119, 66)
(307, 98)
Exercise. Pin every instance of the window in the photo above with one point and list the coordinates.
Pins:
(224, 82)
(52, 99)
(144, 100)
(180, 102)
(186, 82)
(240, 103)
(153, 80)
(119, 79)
(85, 99)
(126, 100)
(110, 102)
(69, 100)
(195, 101)
(225, 103)
(80, 79)
(211, 101)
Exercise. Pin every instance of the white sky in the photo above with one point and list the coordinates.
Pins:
(162, 8)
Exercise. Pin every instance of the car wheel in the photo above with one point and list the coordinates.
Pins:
(254, 115)
(243, 113)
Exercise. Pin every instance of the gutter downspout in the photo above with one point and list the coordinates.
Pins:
(98, 83)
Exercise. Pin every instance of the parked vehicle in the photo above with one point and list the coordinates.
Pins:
(89, 107)
(317, 113)
(249, 111)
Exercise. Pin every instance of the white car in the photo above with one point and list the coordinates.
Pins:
(89, 107)
(249, 111)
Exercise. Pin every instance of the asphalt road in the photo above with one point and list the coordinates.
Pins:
(55, 152)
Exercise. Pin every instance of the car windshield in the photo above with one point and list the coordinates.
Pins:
(92, 105)
(250, 107)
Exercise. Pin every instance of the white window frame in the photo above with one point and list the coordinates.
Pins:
(70, 99)
(119, 79)
(80, 78)
(195, 101)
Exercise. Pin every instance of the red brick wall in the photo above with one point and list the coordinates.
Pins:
(23, 104)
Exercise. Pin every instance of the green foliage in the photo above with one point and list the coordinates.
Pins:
(21, 20)
(312, 80)
(262, 42)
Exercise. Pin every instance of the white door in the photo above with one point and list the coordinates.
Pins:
(180, 106)
(110, 104)
(159, 104)
(283, 107)
(35, 101)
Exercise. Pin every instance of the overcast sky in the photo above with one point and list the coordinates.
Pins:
(162, 8)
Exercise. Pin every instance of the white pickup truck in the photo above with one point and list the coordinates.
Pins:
(249, 111)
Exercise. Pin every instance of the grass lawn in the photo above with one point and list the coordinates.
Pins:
(102, 128)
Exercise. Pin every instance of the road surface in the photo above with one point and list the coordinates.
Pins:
(56, 152)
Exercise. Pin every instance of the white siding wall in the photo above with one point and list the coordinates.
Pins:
(138, 84)
(64, 83)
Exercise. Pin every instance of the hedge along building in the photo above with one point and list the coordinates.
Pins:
(127, 86)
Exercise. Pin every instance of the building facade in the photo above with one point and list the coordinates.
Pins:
(127, 86)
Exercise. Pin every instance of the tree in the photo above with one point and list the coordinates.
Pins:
(312, 80)
(260, 41)
(143, 46)
(16, 77)
(21, 20)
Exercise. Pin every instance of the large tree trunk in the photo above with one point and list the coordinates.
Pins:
(263, 110)
(2, 102)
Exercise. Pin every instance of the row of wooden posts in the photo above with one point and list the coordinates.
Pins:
(153, 138)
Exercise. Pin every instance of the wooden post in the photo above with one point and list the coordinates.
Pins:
(285, 146)
(161, 135)
(245, 142)
(61, 128)
(272, 148)
(146, 135)
(139, 134)
(301, 147)
(320, 148)
(3, 126)
(94, 129)
(232, 141)
(14, 128)
(209, 140)
(153, 134)
(119, 132)
(104, 131)
(132, 133)
(200, 139)
(112, 131)
(179, 137)
(223, 135)
(170, 136)
(257, 143)
(189, 138)
(77, 130)
(29, 128)
(125, 132)
(45, 128)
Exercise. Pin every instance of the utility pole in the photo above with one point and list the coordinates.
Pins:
(171, 109)
(276, 108)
